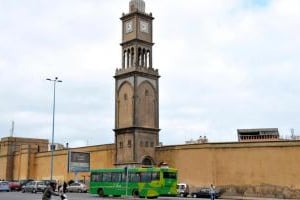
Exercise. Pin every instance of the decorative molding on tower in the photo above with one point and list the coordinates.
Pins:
(151, 71)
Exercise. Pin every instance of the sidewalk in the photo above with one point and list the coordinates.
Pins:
(250, 198)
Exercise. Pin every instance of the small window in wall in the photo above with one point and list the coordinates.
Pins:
(125, 97)
(146, 144)
(152, 144)
(121, 145)
(129, 144)
(141, 143)
(146, 93)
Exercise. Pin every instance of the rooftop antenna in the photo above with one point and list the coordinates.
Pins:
(12, 128)
(292, 133)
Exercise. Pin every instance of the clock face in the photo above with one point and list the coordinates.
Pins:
(128, 27)
(144, 26)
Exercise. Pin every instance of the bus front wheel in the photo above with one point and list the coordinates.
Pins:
(100, 192)
(135, 193)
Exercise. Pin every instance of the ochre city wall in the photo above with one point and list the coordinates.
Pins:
(223, 164)
(3, 164)
(252, 165)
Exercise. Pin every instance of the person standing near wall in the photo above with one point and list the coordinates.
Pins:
(212, 192)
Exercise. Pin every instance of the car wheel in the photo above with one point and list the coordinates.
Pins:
(23, 190)
(194, 195)
(80, 191)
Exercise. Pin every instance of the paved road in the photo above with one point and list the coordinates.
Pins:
(87, 196)
(71, 196)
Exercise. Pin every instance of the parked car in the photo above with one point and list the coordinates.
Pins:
(4, 186)
(15, 186)
(34, 187)
(25, 181)
(77, 187)
(47, 182)
(183, 189)
(205, 193)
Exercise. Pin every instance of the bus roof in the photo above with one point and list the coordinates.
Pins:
(141, 169)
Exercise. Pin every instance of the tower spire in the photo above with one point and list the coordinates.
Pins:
(136, 5)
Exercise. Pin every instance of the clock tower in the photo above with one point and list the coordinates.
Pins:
(136, 91)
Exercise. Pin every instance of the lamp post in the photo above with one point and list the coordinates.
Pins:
(52, 147)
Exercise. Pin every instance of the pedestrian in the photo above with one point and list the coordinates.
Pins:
(212, 192)
(59, 186)
(64, 187)
(49, 191)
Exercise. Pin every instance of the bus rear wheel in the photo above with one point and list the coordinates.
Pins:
(100, 192)
(135, 193)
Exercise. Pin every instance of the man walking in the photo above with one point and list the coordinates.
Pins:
(50, 191)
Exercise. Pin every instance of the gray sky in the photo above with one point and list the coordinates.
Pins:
(224, 65)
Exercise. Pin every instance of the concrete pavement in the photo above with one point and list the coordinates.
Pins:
(250, 198)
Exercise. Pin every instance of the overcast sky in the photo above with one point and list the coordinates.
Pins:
(224, 65)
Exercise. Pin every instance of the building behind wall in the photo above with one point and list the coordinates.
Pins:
(259, 134)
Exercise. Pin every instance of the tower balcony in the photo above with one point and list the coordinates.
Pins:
(147, 70)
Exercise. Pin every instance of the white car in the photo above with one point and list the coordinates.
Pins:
(183, 189)
(34, 187)
(4, 186)
(77, 187)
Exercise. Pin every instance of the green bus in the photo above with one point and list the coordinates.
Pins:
(138, 182)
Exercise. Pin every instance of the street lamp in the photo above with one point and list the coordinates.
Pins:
(52, 147)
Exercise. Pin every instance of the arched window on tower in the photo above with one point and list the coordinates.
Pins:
(139, 57)
(129, 143)
(144, 58)
(148, 59)
(132, 57)
(124, 59)
(128, 58)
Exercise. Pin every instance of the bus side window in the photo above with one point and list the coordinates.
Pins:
(145, 176)
(97, 177)
(134, 177)
(170, 175)
(124, 177)
(155, 176)
(116, 176)
(106, 177)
